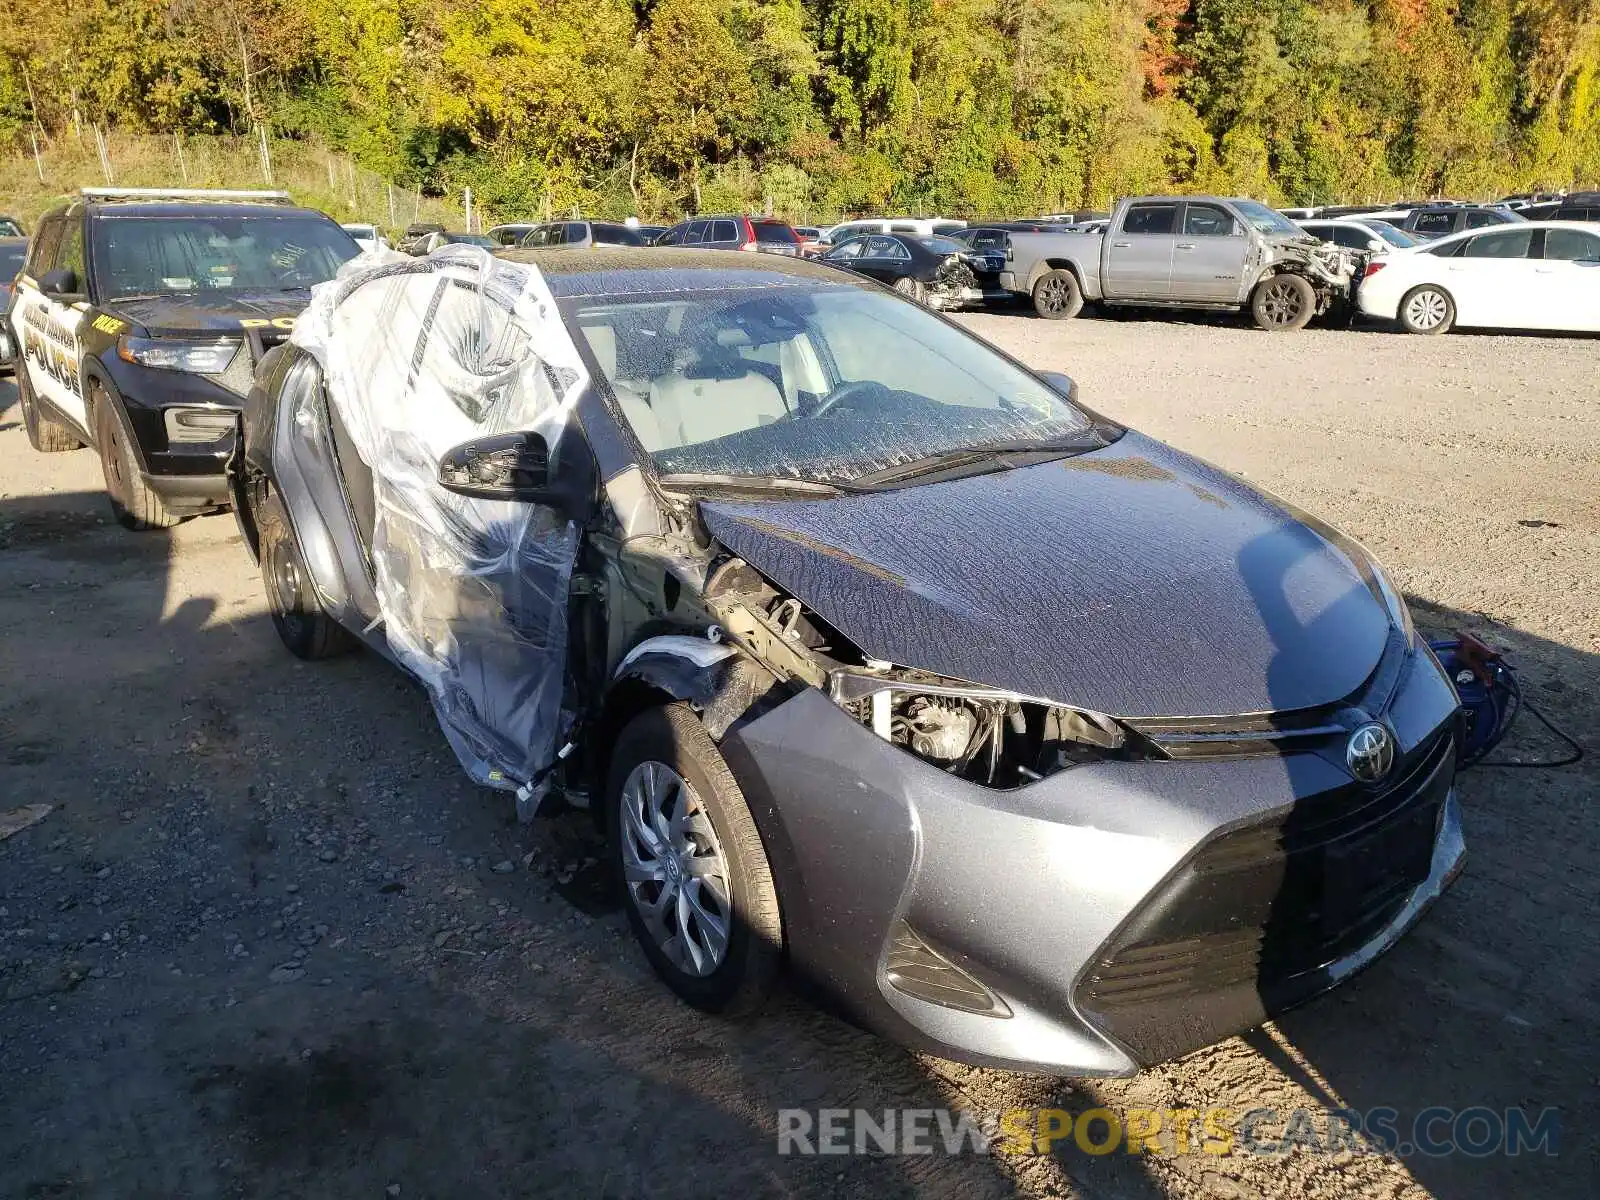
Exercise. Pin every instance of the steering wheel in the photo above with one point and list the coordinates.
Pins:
(843, 394)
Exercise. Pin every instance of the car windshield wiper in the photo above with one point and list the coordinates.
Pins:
(753, 483)
(990, 457)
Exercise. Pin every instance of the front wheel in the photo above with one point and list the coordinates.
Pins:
(133, 501)
(303, 625)
(700, 896)
(1057, 296)
(1283, 302)
(1427, 309)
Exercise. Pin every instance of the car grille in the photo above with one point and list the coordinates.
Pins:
(1246, 926)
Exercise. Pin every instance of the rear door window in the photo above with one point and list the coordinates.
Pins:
(577, 231)
(1512, 243)
(1151, 219)
(723, 231)
(886, 248)
(1571, 245)
(1482, 220)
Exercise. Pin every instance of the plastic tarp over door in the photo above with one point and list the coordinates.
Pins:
(420, 356)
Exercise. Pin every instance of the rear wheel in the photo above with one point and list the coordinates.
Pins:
(133, 501)
(700, 896)
(1057, 296)
(305, 628)
(908, 286)
(1282, 302)
(1427, 309)
(44, 435)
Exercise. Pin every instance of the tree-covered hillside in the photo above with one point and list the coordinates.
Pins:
(830, 106)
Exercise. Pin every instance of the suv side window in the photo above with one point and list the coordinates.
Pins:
(576, 231)
(70, 256)
(46, 242)
(1206, 220)
(723, 231)
(1151, 219)
(673, 236)
(695, 233)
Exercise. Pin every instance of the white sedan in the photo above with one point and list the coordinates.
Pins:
(1533, 275)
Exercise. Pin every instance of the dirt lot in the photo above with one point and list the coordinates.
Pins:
(269, 942)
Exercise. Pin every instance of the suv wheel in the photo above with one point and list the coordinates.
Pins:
(1283, 302)
(44, 435)
(134, 503)
(1057, 296)
(1427, 309)
(303, 625)
(699, 891)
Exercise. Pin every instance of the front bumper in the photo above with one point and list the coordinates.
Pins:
(1119, 913)
(189, 476)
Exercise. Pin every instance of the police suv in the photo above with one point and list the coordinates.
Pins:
(138, 319)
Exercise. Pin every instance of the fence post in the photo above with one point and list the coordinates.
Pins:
(469, 210)
(38, 163)
(183, 167)
(391, 205)
(105, 154)
(266, 155)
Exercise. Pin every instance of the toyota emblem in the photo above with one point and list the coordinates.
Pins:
(1370, 752)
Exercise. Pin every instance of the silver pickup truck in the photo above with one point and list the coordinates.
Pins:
(1185, 252)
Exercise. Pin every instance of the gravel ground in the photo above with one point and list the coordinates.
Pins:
(269, 942)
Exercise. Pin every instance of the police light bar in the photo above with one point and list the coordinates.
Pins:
(116, 193)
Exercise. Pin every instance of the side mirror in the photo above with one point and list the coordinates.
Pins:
(1062, 384)
(502, 466)
(61, 284)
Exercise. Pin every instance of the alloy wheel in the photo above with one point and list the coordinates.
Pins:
(1281, 303)
(1054, 295)
(674, 868)
(1426, 309)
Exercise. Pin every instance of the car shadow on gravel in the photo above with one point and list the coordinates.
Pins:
(270, 941)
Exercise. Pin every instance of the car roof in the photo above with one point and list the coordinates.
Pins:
(624, 270)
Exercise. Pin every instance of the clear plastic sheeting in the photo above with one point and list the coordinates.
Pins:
(420, 356)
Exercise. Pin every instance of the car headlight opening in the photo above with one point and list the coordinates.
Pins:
(172, 354)
(984, 735)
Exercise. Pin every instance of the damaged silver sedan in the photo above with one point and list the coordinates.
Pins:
(1022, 738)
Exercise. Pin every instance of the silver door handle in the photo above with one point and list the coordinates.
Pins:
(1121, 245)
(1185, 246)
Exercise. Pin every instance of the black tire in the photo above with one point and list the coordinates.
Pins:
(304, 627)
(1427, 309)
(134, 504)
(673, 736)
(44, 435)
(1283, 302)
(912, 288)
(1057, 296)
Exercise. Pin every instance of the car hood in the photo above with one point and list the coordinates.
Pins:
(1134, 581)
(210, 312)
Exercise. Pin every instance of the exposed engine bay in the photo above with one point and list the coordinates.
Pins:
(982, 735)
